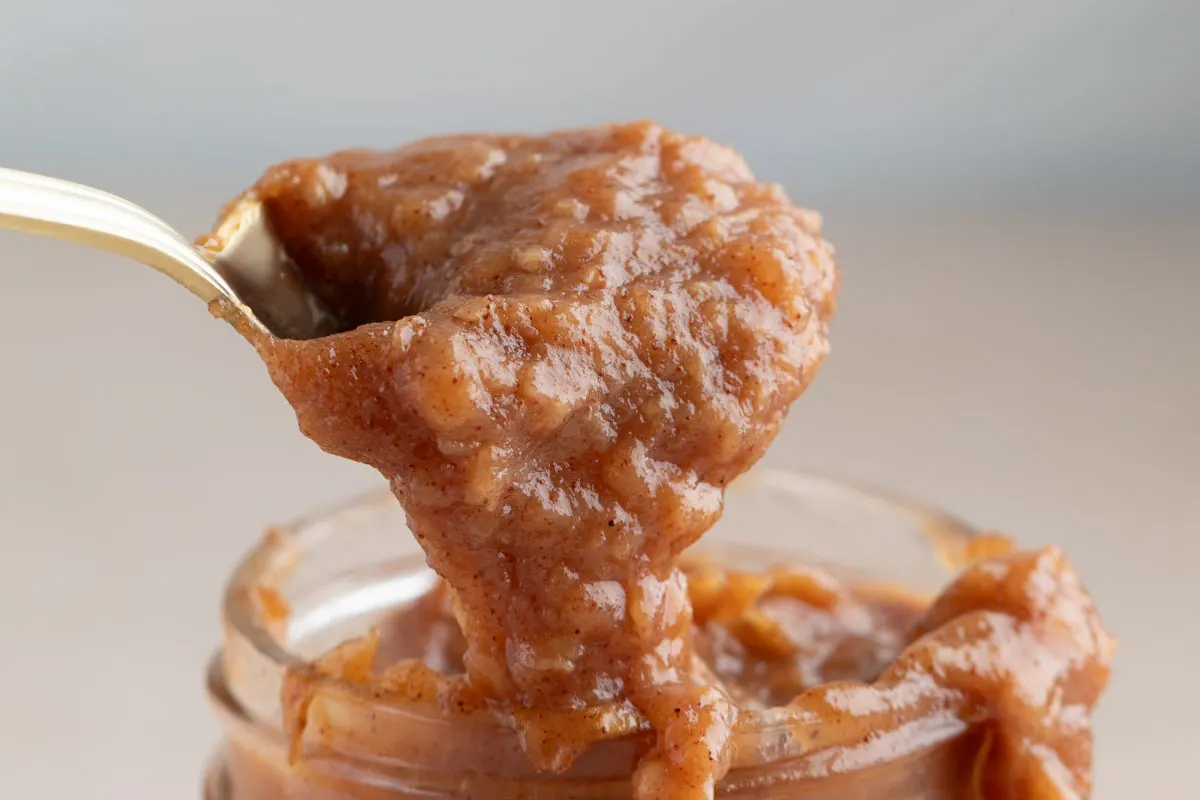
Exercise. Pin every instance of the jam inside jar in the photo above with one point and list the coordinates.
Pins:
(330, 578)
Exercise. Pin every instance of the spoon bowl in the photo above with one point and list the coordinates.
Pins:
(242, 270)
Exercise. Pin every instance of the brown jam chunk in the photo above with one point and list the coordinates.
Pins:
(560, 350)
(1014, 645)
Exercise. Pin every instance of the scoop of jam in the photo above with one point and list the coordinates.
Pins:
(565, 347)
(559, 350)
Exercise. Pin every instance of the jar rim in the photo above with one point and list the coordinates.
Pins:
(255, 656)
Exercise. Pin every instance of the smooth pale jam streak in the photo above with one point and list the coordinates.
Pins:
(560, 350)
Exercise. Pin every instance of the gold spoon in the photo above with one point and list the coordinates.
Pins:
(245, 275)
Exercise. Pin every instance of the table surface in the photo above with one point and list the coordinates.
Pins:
(1037, 376)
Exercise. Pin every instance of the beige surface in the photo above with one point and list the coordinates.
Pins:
(1040, 378)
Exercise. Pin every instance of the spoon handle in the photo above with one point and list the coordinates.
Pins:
(64, 210)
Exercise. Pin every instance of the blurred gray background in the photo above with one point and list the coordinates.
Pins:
(1014, 188)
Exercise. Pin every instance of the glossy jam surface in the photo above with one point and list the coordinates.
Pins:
(559, 350)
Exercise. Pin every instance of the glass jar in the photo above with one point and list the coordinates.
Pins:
(337, 573)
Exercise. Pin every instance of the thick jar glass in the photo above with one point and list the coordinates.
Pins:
(338, 573)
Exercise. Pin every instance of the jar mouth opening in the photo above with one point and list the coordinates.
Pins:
(290, 600)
